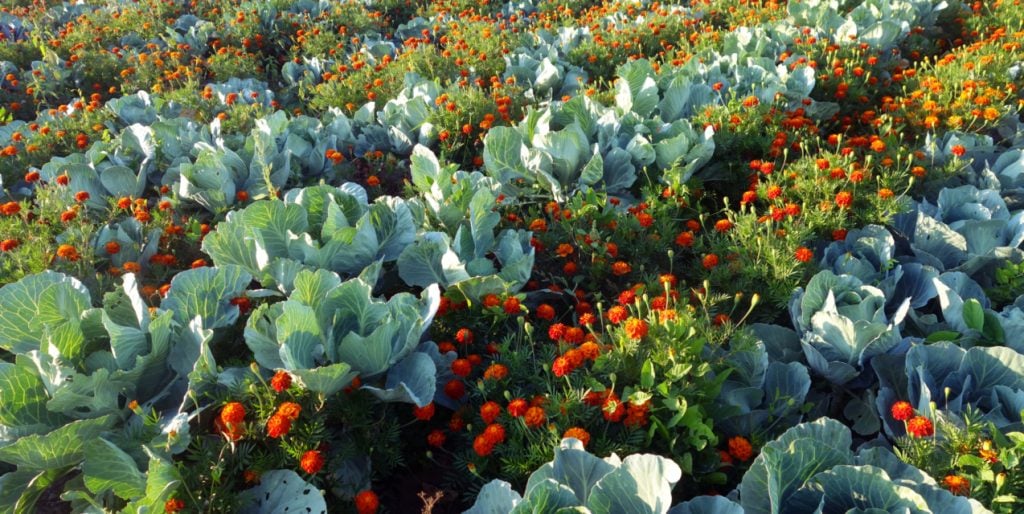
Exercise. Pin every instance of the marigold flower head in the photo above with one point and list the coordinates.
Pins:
(561, 366)
(494, 433)
(462, 367)
(740, 448)
(68, 252)
(455, 389)
(620, 268)
(424, 413)
(957, 485)
(232, 412)
(844, 199)
(517, 407)
(578, 433)
(8, 244)
(482, 446)
(278, 426)
(492, 300)
(490, 411)
(636, 328)
(920, 426)
(281, 381)
(496, 372)
(613, 409)
(564, 250)
(535, 417)
(367, 502)
(174, 505)
(590, 350)
(311, 462)
(290, 410)
(436, 438)
(804, 254)
(902, 411)
(617, 314)
(545, 312)
(710, 261)
(464, 336)
(511, 305)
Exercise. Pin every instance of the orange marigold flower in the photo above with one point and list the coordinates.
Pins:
(902, 411)
(496, 372)
(455, 389)
(278, 426)
(710, 261)
(740, 448)
(492, 300)
(424, 413)
(482, 446)
(636, 414)
(534, 417)
(373, 181)
(8, 244)
(590, 350)
(636, 328)
(511, 305)
(957, 485)
(68, 252)
(464, 336)
(367, 502)
(282, 381)
(436, 438)
(804, 254)
(612, 408)
(490, 412)
(920, 426)
(958, 150)
(311, 462)
(574, 335)
(685, 239)
(564, 250)
(723, 226)
(290, 410)
(174, 505)
(10, 208)
(844, 199)
(233, 412)
(620, 268)
(517, 407)
(885, 193)
(617, 314)
(578, 433)
(462, 367)
(546, 312)
(494, 433)
(561, 366)
(112, 247)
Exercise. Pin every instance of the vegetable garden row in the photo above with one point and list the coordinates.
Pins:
(728, 256)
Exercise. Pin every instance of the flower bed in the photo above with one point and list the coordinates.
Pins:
(421, 256)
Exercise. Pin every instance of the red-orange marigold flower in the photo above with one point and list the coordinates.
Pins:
(511, 305)
(8, 244)
(424, 413)
(464, 336)
(578, 433)
(534, 417)
(710, 261)
(436, 438)
(517, 407)
(278, 426)
(902, 411)
(561, 366)
(636, 328)
(455, 389)
(482, 446)
(496, 372)
(281, 381)
(492, 300)
(957, 485)
(490, 411)
(233, 412)
(367, 502)
(290, 410)
(311, 462)
(174, 505)
(462, 367)
(546, 312)
(617, 314)
(804, 254)
(740, 448)
(844, 199)
(920, 426)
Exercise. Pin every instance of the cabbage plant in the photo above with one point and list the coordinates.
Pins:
(329, 331)
(577, 481)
